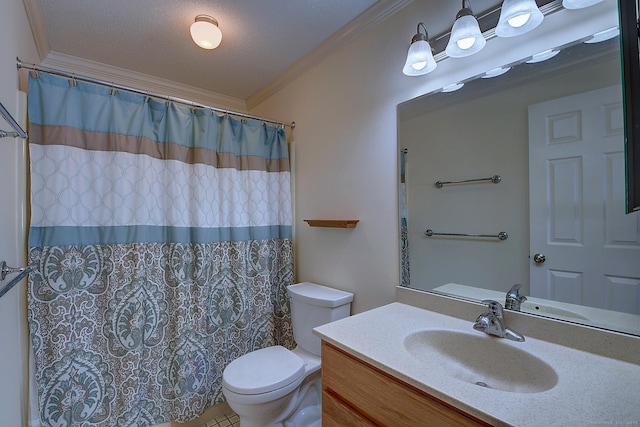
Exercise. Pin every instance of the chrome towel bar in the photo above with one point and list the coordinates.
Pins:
(501, 235)
(495, 179)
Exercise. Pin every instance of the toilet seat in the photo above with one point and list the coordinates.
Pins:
(262, 371)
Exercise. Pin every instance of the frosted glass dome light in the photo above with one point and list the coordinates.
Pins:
(205, 32)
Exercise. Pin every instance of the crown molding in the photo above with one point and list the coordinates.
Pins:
(52, 59)
(35, 17)
(377, 13)
(144, 82)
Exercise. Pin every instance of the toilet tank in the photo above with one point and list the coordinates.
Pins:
(314, 305)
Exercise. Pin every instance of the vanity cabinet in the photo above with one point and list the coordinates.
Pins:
(354, 393)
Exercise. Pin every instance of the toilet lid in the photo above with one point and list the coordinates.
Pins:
(263, 370)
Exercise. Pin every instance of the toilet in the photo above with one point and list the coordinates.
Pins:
(277, 387)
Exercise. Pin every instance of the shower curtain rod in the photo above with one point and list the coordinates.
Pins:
(142, 92)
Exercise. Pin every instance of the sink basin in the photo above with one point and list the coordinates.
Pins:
(531, 307)
(482, 360)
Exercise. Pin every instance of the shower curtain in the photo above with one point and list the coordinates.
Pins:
(405, 275)
(161, 244)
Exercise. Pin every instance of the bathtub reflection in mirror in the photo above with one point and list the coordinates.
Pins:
(554, 132)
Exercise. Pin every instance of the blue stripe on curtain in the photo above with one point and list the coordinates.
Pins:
(63, 236)
(151, 272)
(92, 108)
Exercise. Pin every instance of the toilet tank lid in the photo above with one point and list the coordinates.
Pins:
(319, 295)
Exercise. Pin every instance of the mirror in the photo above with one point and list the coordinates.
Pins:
(630, 40)
(553, 131)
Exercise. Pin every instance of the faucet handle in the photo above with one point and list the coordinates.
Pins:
(514, 293)
(513, 299)
(515, 288)
(494, 307)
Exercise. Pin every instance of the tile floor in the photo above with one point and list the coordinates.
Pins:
(225, 420)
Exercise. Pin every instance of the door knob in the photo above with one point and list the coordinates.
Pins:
(539, 258)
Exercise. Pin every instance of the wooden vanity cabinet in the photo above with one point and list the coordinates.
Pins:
(354, 393)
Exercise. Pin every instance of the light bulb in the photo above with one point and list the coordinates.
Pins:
(419, 65)
(520, 20)
(466, 42)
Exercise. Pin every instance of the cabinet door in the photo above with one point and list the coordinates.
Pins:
(336, 413)
(376, 398)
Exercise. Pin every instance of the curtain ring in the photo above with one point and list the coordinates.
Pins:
(34, 74)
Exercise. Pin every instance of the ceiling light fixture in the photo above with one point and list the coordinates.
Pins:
(466, 38)
(578, 4)
(518, 17)
(205, 32)
(420, 59)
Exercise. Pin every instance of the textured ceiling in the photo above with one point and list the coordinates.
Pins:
(261, 38)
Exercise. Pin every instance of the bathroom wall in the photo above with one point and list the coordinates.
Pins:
(345, 149)
(345, 142)
(15, 40)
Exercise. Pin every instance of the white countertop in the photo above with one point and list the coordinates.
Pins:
(591, 389)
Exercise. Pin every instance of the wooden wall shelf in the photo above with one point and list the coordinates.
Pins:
(333, 223)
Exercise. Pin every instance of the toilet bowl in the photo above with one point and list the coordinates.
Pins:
(278, 387)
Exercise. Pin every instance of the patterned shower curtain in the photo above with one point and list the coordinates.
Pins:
(405, 271)
(161, 244)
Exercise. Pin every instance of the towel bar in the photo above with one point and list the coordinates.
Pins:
(495, 179)
(501, 235)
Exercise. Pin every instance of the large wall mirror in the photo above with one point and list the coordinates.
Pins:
(534, 150)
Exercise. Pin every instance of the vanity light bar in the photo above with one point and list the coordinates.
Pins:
(487, 22)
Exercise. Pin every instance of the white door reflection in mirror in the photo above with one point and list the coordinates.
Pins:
(578, 221)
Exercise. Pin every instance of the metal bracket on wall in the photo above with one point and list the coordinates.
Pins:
(17, 130)
(5, 270)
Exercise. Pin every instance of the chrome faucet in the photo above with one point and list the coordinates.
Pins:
(492, 323)
(514, 299)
